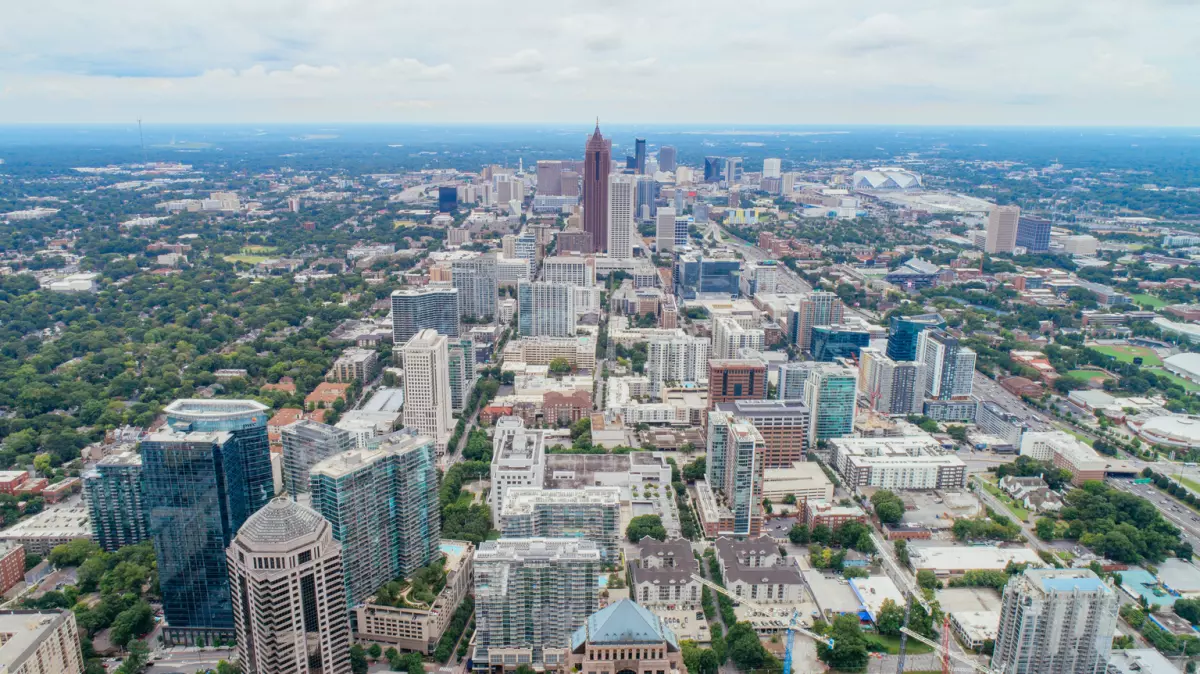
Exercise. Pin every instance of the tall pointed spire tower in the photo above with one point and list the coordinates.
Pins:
(597, 164)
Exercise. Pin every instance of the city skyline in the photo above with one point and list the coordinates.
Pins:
(943, 62)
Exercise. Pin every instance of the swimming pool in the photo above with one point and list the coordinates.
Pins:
(603, 581)
(451, 548)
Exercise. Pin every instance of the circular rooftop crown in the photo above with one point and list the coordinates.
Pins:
(279, 522)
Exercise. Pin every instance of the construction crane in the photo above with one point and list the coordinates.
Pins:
(946, 654)
(914, 594)
(792, 626)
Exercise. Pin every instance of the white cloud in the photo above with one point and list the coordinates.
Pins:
(799, 61)
(524, 61)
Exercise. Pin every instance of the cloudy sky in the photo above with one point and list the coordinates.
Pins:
(1128, 62)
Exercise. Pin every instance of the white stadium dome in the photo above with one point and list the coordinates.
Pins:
(884, 179)
(1175, 430)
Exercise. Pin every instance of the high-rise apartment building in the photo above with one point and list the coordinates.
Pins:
(792, 378)
(831, 393)
(664, 229)
(429, 307)
(892, 387)
(621, 228)
(1002, 229)
(427, 399)
(383, 506)
(289, 594)
(816, 308)
(734, 464)
(772, 168)
(783, 425)
(113, 490)
(1033, 234)
(460, 360)
(531, 594)
(597, 165)
(40, 642)
(477, 284)
(729, 338)
(903, 332)
(736, 379)
(306, 443)
(518, 460)
(525, 247)
(1055, 621)
(593, 513)
(949, 366)
(679, 359)
(545, 309)
(667, 158)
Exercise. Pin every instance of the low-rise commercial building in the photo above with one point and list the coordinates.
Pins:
(662, 575)
(908, 462)
(624, 637)
(803, 479)
(955, 560)
(44, 531)
(1063, 450)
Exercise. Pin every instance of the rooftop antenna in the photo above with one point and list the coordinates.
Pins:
(142, 138)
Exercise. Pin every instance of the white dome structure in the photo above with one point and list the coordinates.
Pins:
(886, 179)
(1176, 430)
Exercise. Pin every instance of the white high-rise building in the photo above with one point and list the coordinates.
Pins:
(1055, 621)
(545, 309)
(476, 281)
(1002, 229)
(518, 460)
(289, 593)
(622, 197)
(729, 338)
(772, 168)
(891, 387)
(949, 366)
(789, 182)
(427, 401)
(676, 359)
(664, 229)
(575, 270)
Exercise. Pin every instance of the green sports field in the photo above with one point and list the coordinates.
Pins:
(1126, 354)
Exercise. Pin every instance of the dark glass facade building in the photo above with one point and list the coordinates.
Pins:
(713, 168)
(202, 478)
(1033, 234)
(694, 275)
(830, 342)
(597, 165)
(447, 198)
(903, 332)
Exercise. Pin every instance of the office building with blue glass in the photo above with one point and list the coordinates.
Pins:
(1033, 234)
(903, 332)
(831, 393)
(202, 478)
(695, 275)
(831, 342)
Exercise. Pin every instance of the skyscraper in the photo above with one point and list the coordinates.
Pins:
(549, 177)
(289, 594)
(427, 307)
(476, 282)
(644, 199)
(729, 338)
(816, 308)
(383, 506)
(1002, 229)
(713, 167)
(1033, 234)
(597, 165)
(666, 158)
(1055, 621)
(783, 425)
(461, 363)
(545, 309)
(679, 359)
(733, 170)
(831, 392)
(893, 387)
(194, 493)
(772, 168)
(734, 463)
(593, 513)
(531, 594)
(622, 193)
(949, 366)
(427, 401)
(447, 198)
(639, 155)
(306, 443)
(247, 420)
(792, 378)
(736, 379)
(113, 490)
(664, 229)
(904, 331)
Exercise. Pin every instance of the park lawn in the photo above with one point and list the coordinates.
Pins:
(1189, 386)
(1086, 375)
(891, 645)
(1126, 354)
(1081, 437)
(1187, 482)
(1148, 300)
(248, 259)
(1017, 511)
(258, 250)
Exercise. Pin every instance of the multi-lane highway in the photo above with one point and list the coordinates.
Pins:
(1176, 512)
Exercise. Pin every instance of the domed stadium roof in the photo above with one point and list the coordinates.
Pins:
(280, 522)
(1175, 430)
